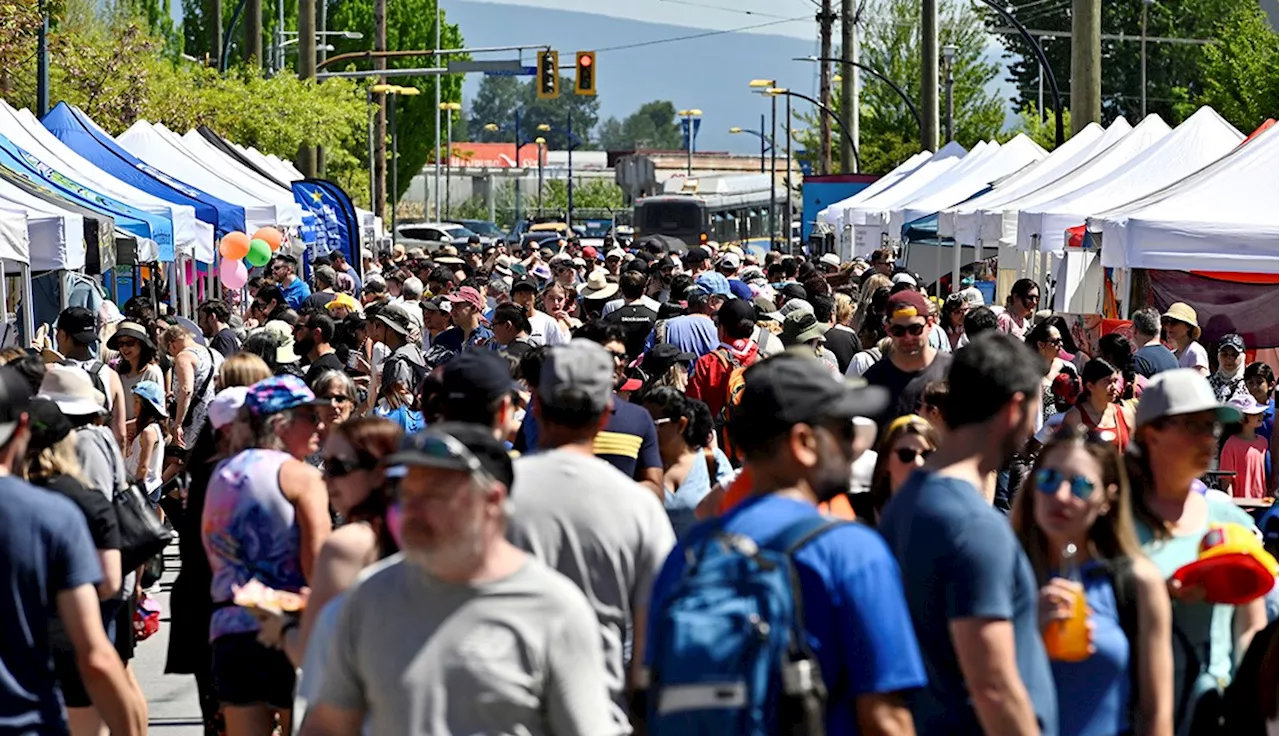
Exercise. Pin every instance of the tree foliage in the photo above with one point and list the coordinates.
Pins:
(888, 131)
(499, 98)
(1039, 129)
(652, 126)
(1242, 70)
(1176, 73)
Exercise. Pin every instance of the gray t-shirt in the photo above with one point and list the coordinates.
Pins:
(602, 530)
(518, 656)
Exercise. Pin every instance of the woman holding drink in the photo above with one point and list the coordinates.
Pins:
(1104, 609)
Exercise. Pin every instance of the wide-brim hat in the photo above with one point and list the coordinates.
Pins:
(597, 287)
(1232, 567)
(130, 329)
(1184, 313)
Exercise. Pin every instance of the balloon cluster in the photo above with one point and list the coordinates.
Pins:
(237, 248)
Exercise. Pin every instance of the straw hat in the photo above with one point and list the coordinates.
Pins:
(1184, 313)
(597, 286)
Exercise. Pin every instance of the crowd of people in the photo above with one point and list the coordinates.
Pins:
(604, 491)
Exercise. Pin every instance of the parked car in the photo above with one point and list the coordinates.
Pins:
(437, 232)
(489, 232)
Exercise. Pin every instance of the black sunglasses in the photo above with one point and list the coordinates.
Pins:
(915, 330)
(908, 455)
(336, 467)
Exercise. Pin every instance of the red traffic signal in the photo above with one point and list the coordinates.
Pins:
(585, 80)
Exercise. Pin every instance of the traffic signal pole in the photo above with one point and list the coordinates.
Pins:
(568, 122)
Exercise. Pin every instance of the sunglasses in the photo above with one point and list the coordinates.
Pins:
(1031, 298)
(127, 343)
(1057, 342)
(260, 306)
(1201, 428)
(338, 398)
(1049, 480)
(336, 467)
(907, 455)
(915, 330)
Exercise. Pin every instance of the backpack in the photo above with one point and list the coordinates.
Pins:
(729, 652)
(733, 388)
(93, 368)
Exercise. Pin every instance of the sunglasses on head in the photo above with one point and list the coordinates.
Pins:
(337, 467)
(915, 330)
(1049, 480)
(442, 446)
(908, 455)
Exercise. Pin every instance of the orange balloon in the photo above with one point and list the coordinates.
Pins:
(274, 237)
(234, 246)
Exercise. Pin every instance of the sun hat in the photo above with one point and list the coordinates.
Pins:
(283, 334)
(151, 393)
(1181, 391)
(1233, 567)
(280, 393)
(130, 329)
(830, 259)
(1245, 404)
(597, 286)
(72, 390)
(226, 405)
(800, 327)
(1183, 312)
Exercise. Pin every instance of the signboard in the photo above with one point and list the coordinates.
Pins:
(488, 67)
(493, 156)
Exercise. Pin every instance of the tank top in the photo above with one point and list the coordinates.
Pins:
(1121, 429)
(1102, 680)
(250, 531)
(207, 361)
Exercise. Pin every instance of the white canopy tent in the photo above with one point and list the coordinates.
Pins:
(961, 222)
(866, 239)
(833, 214)
(1222, 218)
(191, 235)
(1007, 159)
(55, 235)
(144, 142)
(1199, 141)
(974, 160)
(270, 164)
(246, 179)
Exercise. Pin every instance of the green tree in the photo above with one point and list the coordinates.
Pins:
(499, 98)
(410, 25)
(1176, 73)
(1242, 70)
(1041, 130)
(888, 131)
(653, 126)
(19, 23)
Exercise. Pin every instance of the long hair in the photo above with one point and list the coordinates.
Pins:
(242, 369)
(146, 356)
(1095, 370)
(873, 284)
(1113, 534)
(372, 439)
(879, 492)
(58, 459)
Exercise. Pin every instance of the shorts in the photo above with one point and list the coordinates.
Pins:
(74, 694)
(247, 673)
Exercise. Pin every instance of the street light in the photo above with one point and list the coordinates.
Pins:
(398, 91)
(786, 222)
(689, 116)
(449, 108)
(949, 78)
(761, 85)
(765, 143)
(541, 142)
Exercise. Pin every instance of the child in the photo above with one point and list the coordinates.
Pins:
(1245, 453)
(1261, 382)
(145, 461)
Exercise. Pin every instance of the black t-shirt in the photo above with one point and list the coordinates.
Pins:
(518, 347)
(318, 300)
(844, 344)
(97, 510)
(636, 321)
(225, 342)
(326, 362)
(905, 387)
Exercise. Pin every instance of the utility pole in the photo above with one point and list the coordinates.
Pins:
(929, 75)
(379, 162)
(773, 169)
(1142, 69)
(324, 34)
(42, 62)
(825, 20)
(848, 84)
(1086, 63)
(436, 83)
(306, 71)
(215, 11)
(253, 33)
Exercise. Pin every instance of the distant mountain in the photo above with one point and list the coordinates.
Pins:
(710, 73)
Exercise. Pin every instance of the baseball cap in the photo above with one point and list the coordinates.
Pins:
(793, 291)
(714, 283)
(48, 424)
(468, 295)
(467, 448)
(577, 374)
(80, 324)
(1181, 391)
(395, 317)
(525, 283)
(902, 277)
(791, 307)
(906, 304)
(789, 389)
(1233, 341)
(736, 312)
(590, 253)
(659, 360)
(226, 405)
(15, 398)
(344, 300)
(1246, 404)
(696, 254)
(730, 260)
(279, 393)
(438, 304)
(616, 253)
(475, 378)
(800, 327)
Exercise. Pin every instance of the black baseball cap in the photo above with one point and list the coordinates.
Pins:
(48, 424)
(659, 360)
(468, 448)
(15, 398)
(526, 282)
(696, 254)
(736, 312)
(475, 378)
(790, 389)
(80, 324)
(794, 291)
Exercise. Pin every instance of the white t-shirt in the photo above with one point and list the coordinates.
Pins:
(155, 464)
(545, 330)
(1195, 356)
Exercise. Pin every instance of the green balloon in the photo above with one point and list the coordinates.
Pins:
(259, 252)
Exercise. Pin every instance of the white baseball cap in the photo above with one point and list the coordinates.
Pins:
(1181, 391)
(831, 259)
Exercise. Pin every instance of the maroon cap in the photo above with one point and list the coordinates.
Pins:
(907, 303)
(468, 295)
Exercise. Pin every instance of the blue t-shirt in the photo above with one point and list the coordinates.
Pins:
(691, 333)
(628, 442)
(854, 613)
(1102, 680)
(45, 548)
(1152, 359)
(296, 293)
(960, 560)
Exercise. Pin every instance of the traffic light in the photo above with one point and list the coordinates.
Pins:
(585, 82)
(548, 75)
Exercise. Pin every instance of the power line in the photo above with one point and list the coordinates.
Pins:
(695, 36)
(723, 8)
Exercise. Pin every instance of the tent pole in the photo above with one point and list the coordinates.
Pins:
(28, 301)
(957, 260)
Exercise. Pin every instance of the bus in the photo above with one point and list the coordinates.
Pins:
(729, 209)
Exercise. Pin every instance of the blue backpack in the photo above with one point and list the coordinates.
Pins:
(729, 654)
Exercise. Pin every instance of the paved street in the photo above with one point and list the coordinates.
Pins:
(173, 708)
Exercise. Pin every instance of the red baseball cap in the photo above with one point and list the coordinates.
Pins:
(590, 253)
(907, 303)
(468, 295)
